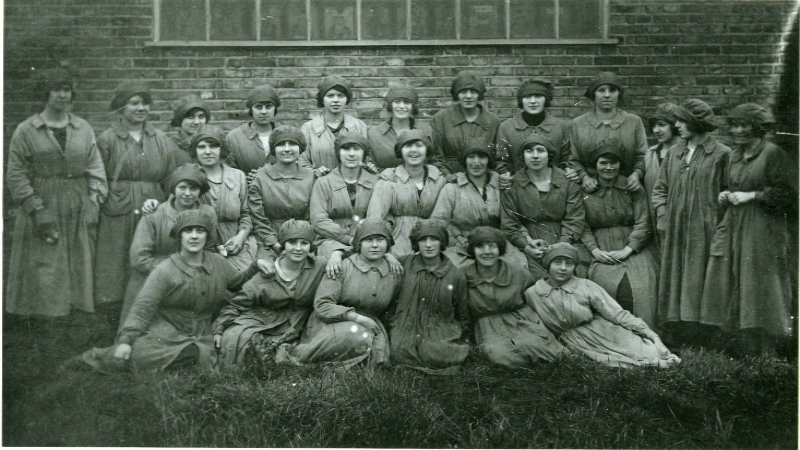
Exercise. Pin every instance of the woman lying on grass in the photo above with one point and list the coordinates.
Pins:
(588, 321)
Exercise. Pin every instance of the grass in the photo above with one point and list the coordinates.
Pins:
(709, 401)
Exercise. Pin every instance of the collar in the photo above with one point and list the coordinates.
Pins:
(557, 178)
(384, 127)
(457, 116)
(544, 288)
(122, 133)
(417, 265)
(269, 169)
(318, 124)
(462, 180)
(250, 133)
(402, 175)
(364, 267)
(503, 277)
(229, 176)
(37, 122)
(708, 145)
(365, 179)
(620, 183)
(738, 152)
(615, 123)
(181, 264)
(547, 124)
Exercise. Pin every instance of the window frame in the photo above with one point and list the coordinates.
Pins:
(157, 42)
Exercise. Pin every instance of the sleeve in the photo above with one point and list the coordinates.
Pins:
(242, 302)
(461, 305)
(501, 165)
(381, 202)
(142, 252)
(661, 188)
(564, 145)
(245, 221)
(608, 308)
(439, 142)
(510, 222)
(305, 158)
(640, 149)
(235, 279)
(588, 239)
(574, 217)
(170, 163)
(503, 145)
(95, 171)
(262, 225)
(642, 228)
(233, 147)
(443, 210)
(780, 193)
(318, 210)
(18, 174)
(327, 297)
(155, 290)
(575, 158)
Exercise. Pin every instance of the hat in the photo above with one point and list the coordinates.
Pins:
(296, 229)
(185, 105)
(193, 218)
(697, 114)
(429, 228)
(605, 147)
(754, 114)
(534, 139)
(189, 172)
(603, 78)
(481, 235)
(209, 132)
(348, 137)
(467, 80)
(482, 149)
(414, 134)
(664, 111)
(263, 94)
(126, 90)
(372, 227)
(330, 82)
(536, 86)
(53, 79)
(286, 133)
(559, 249)
(401, 92)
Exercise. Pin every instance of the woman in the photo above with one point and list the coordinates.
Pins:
(507, 330)
(464, 124)
(533, 98)
(607, 123)
(333, 95)
(169, 326)
(401, 103)
(542, 206)
(56, 174)
(472, 201)
(412, 193)
(685, 200)
(340, 198)
(663, 126)
(429, 322)
(588, 321)
(249, 143)
(152, 242)
(345, 327)
(279, 191)
(190, 114)
(747, 285)
(227, 194)
(617, 234)
(139, 159)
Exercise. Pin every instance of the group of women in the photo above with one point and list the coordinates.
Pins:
(401, 243)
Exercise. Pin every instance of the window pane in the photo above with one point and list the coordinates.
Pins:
(433, 19)
(283, 20)
(333, 20)
(533, 19)
(483, 19)
(232, 20)
(383, 19)
(183, 20)
(580, 19)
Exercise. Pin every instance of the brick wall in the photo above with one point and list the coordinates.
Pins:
(723, 51)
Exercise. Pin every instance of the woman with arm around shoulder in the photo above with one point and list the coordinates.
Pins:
(249, 143)
(190, 114)
(402, 104)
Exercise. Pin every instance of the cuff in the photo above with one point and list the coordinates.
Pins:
(31, 203)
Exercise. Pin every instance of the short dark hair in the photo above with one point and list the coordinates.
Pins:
(224, 151)
(357, 248)
(282, 246)
(414, 108)
(653, 120)
(250, 109)
(415, 244)
(398, 151)
(500, 245)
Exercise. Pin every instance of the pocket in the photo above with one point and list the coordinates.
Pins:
(119, 200)
(90, 211)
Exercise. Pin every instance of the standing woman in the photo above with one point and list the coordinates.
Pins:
(55, 172)
(542, 206)
(686, 201)
(333, 95)
(139, 159)
(401, 103)
(249, 143)
(747, 283)
(341, 198)
(533, 98)
(465, 124)
(663, 126)
(412, 194)
(191, 113)
(606, 122)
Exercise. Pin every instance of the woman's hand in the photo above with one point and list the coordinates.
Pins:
(505, 181)
(217, 341)
(740, 198)
(123, 352)
(633, 183)
(266, 267)
(334, 266)
(367, 323)
(149, 206)
(604, 257)
(276, 247)
(722, 198)
(234, 245)
(251, 176)
(395, 268)
(320, 171)
(462, 240)
(572, 175)
(621, 255)
(589, 184)
(96, 198)
(370, 167)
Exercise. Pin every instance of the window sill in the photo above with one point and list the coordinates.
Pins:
(383, 43)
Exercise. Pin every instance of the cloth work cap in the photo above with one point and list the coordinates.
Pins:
(209, 132)
(414, 134)
(753, 114)
(665, 111)
(193, 218)
(534, 139)
(603, 78)
(286, 133)
(263, 94)
(430, 227)
(467, 80)
(126, 90)
(480, 235)
(330, 82)
(697, 114)
(185, 105)
(296, 229)
(559, 249)
(191, 172)
(347, 137)
(401, 92)
(53, 79)
(372, 227)
(472, 149)
(538, 86)
(607, 147)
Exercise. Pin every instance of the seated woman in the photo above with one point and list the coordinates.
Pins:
(190, 114)
(429, 322)
(152, 242)
(472, 201)
(340, 198)
(588, 321)
(618, 234)
(506, 329)
(401, 103)
(169, 325)
(345, 327)
(408, 192)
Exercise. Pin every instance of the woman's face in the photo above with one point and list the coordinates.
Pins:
(374, 247)
(136, 110)
(287, 152)
(536, 157)
(193, 120)
(208, 152)
(477, 165)
(662, 130)
(606, 97)
(468, 98)
(263, 113)
(186, 195)
(414, 153)
(59, 99)
(297, 250)
(742, 132)
(402, 108)
(429, 247)
(334, 101)
(561, 270)
(683, 130)
(607, 168)
(351, 156)
(487, 254)
(534, 103)
(193, 239)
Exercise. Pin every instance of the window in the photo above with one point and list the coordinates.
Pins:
(379, 22)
